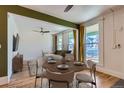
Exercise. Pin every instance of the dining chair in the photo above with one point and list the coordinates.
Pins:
(85, 78)
(58, 77)
(40, 72)
(69, 57)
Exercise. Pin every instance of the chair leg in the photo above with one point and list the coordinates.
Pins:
(95, 80)
(77, 83)
(35, 82)
(94, 83)
(67, 84)
(41, 82)
(71, 85)
(49, 83)
(95, 86)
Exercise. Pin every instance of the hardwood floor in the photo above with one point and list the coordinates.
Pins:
(22, 80)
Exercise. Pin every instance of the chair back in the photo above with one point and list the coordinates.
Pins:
(39, 65)
(60, 77)
(41, 61)
(57, 57)
(92, 66)
(69, 57)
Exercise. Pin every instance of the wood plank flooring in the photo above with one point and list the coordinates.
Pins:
(23, 80)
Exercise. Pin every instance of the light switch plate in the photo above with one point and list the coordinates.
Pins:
(0, 45)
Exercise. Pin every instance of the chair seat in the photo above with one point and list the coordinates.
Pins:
(84, 85)
(84, 78)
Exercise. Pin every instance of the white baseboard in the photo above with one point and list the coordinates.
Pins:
(111, 72)
(3, 80)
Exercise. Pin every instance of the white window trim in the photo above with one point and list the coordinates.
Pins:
(101, 39)
(101, 42)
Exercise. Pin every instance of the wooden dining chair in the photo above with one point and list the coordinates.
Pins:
(85, 78)
(66, 78)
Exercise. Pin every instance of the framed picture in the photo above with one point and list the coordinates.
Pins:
(15, 42)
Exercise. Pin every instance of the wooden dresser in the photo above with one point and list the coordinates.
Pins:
(17, 64)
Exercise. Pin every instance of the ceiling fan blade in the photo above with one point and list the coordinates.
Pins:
(46, 31)
(41, 31)
(36, 31)
(68, 8)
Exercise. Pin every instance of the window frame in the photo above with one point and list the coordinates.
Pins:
(92, 43)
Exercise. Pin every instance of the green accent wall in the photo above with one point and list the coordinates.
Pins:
(4, 9)
(3, 42)
(37, 15)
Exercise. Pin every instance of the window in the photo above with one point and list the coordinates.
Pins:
(59, 41)
(65, 41)
(92, 42)
(70, 40)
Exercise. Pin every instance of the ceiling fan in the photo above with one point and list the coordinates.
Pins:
(41, 31)
(68, 8)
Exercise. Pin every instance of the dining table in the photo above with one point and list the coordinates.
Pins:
(68, 66)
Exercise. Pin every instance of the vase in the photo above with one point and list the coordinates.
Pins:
(63, 61)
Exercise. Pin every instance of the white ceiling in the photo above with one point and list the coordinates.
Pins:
(31, 24)
(78, 13)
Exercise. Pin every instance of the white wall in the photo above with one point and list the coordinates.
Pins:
(31, 44)
(12, 30)
(113, 58)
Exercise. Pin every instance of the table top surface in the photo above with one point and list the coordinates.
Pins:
(72, 67)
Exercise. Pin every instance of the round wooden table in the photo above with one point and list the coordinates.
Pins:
(72, 67)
